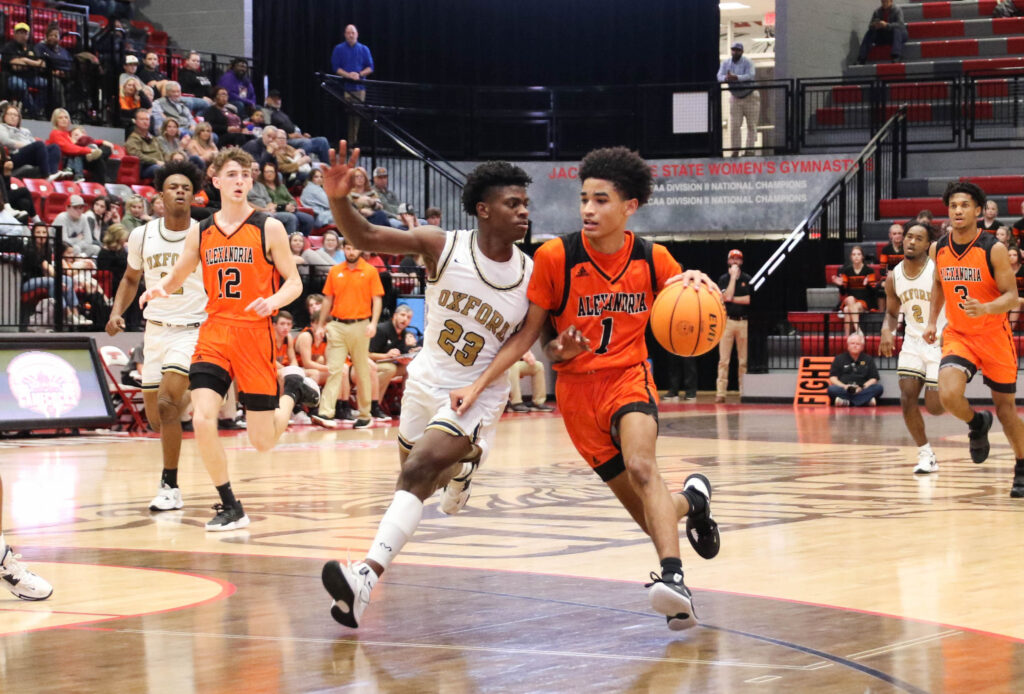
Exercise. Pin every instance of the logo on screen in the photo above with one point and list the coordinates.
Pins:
(44, 383)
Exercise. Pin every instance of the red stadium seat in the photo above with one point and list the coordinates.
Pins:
(128, 174)
(145, 191)
(67, 187)
(90, 190)
(49, 203)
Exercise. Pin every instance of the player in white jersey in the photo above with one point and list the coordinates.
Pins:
(172, 323)
(475, 301)
(908, 289)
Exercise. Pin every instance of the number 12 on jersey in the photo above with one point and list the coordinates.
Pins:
(228, 278)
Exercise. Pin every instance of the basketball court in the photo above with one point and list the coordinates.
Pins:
(840, 571)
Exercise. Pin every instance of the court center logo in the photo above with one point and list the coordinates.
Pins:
(44, 383)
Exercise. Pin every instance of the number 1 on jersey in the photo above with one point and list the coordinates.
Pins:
(606, 335)
(229, 278)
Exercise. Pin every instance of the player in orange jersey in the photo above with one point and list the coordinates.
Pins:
(975, 283)
(596, 288)
(244, 255)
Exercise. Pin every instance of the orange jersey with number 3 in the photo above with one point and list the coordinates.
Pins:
(606, 296)
(966, 275)
(236, 269)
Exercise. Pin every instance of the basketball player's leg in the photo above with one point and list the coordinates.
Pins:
(952, 385)
(13, 575)
(638, 432)
(168, 402)
(910, 394)
(958, 366)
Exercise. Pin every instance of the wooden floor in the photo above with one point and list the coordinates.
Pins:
(840, 571)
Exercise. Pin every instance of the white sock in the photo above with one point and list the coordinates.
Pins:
(927, 448)
(396, 527)
(3, 546)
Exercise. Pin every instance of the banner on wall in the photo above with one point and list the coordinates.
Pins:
(755, 194)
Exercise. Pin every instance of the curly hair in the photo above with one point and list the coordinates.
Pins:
(954, 187)
(235, 154)
(490, 174)
(626, 170)
(184, 168)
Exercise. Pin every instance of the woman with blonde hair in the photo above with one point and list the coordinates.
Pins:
(25, 149)
(202, 145)
(132, 98)
(113, 257)
(81, 153)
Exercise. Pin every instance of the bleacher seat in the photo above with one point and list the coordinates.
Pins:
(120, 190)
(49, 203)
(128, 174)
(68, 188)
(90, 190)
(145, 191)
(822, 298)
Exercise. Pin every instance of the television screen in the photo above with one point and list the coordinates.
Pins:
(52, 382)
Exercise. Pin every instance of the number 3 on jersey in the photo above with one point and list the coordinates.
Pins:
(228, 278)
(961, 291)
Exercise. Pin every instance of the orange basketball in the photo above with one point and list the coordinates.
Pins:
(688, 321)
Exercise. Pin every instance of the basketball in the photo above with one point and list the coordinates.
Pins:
(688, 321)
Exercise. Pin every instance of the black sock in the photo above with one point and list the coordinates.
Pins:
(670, 566)
(976, 421)
(1018, 469)
(170, 478)
(698, 503)
(227, 497)
(374, 404)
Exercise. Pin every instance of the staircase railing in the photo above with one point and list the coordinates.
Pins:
(839, 215)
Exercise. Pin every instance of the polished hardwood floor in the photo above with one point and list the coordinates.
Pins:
(840, 570)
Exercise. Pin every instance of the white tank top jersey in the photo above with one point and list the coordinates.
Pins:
(473, 305)
(915, 295)
(154, 250)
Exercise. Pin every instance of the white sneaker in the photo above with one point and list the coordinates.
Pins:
(672, 599)
(301, 418)
(20, 581)
(841, 402)
(349, 586)
(167, 499)
(926, 463)
(456, 492)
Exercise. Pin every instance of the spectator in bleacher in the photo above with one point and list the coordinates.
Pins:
(81, 153)
(157, 207)
(388, 200)
(171, 105)
(314, 197)
(171, 141)
(150, 74)
(988, 220)
(321, 257)
(857, 282)
(102, 215)
(318, 146)
(1018, 274)
(26, 150)
(925, 217)
(195, 84)
(59, 62)
(297, 244)
(83, 237)
(294, 163)
(735, 286)
(1005, 236)
(257, 146)
(853, 377)
(113, 257)
(133, 98)
(25, 72)
(387, 347)
(131, 69)
(889, 257)
(37, 272)
(352, 59)
(744, 101)
(143, 145)
(1018, 226)
(433, 216)
(225, 121)
(528, 366)
(255, 123)
(135, 213)
(241, 93)
(332, 246)
(364, 198)
(202, 145)
(886, 28)
(265, 195)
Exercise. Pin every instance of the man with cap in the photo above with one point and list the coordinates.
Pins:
(23, 68)
(296, 138)
(80, 231)
(744, 101)
(735, 285)
(388, 200)
(131, 69)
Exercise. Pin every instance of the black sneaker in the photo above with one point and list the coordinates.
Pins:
(228, 518)
(701, 528)
(520, 407)
(979, 438)
(344, 413)
(378, 414)
(307, 392)
(362, 424)
(1017, 490)
(539, 407)
(673, 599)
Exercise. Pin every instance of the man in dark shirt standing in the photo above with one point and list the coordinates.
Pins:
(853, 378)
(735, 286)
(389, 345)
(24, 70)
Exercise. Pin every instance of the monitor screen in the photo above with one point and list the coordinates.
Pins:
(52, 382)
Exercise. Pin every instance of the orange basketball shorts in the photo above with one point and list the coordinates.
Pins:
(993, 352)
(592, 404)
(227, 352)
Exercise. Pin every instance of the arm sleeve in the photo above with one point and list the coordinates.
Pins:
(545, 288)
(665, 265)
(723, 70)
(135, 248)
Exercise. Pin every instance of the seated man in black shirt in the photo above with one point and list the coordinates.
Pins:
(853, 378)
(389, 347)
(195, 85)
(24, 71)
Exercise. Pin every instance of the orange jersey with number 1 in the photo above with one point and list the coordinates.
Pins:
(236, 269)
(968, 274)
(606, 296)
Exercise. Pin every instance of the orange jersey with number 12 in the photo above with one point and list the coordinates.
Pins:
(236, 269)
(968, 274)
(606, 296)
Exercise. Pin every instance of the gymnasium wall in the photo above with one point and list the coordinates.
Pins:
(224, 26)
(818, 40)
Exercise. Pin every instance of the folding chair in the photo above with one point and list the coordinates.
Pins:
(127, 399)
